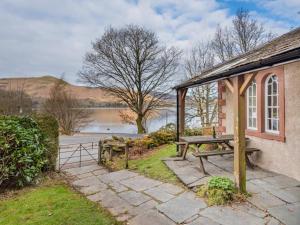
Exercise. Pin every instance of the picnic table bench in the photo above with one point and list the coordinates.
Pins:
(205, 154)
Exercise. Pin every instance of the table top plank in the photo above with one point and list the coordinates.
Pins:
(207, 139)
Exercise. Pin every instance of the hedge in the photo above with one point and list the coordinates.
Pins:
(50, 130)
(22, 151)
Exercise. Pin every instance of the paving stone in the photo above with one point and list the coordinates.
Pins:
(260, 183)
(100, 172)
(85, 182)
(143, 207)
(117, 176)
(140, 183)
(171, 188)
(191, 218)
(93, 189)
(288, 214)
(253, 188)
(272, 221)
(85, 175)
(182, 207)
(151, 217)
(83, 169)
(258, 173)
(203, 221)
(250, 209)
(189, 175)
(225, 215)
(134, 198)
(199, 182)
(265, 200)
(95, 197)
(159, 194)
(290, 195)
(282, 181)
(117, 187)
(114, 203)
(123, 217)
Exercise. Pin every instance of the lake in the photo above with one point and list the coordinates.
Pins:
(108, 120)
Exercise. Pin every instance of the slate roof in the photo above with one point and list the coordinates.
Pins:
(283, 48)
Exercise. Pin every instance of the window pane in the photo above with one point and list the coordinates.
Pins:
(275, 125)
(275, 113)
(269, 124)
(269, 101)
(269, 89)
(275, 100)
(269, 113)
(254, 122)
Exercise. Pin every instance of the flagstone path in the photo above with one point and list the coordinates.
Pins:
(143, 201)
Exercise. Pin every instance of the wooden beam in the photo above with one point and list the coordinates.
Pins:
(239, 135)
(248, 79)
(228, 85)
(184, 91)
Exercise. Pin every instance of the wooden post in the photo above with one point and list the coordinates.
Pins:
(100, 148)
(182, 94)
(239, 135)
(126, 155)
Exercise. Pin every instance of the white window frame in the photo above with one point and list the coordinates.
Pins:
(271, 106)
(250, 88)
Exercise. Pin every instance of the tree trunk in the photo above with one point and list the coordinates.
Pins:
(139, 124)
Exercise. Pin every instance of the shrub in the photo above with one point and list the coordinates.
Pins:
(22, 152)
(218, 191)
(50, 130)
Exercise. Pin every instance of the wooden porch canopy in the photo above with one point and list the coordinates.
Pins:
(237, 75)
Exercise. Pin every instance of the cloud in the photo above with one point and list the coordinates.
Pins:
(52, 37)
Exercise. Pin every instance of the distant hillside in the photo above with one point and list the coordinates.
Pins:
(38, 89)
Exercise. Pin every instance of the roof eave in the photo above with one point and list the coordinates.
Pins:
(268, 62)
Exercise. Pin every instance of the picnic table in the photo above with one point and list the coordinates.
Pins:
(223, 140)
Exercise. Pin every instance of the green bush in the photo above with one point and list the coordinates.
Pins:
(222, 183)
(218, 191)
(50, 130)
(22, 152)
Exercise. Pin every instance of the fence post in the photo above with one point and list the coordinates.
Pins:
(100, 152)
(58, 158)
(126, 155)
(80, 155)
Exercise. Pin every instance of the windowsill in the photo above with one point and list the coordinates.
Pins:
(268, 136)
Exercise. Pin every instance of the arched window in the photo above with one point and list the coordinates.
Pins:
(271, 104)
(251, 106)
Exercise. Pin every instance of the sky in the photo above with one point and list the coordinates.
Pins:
(51, 37)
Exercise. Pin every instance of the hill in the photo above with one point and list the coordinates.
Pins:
(38, 88)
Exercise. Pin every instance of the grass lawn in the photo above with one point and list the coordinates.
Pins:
(151, 165)
(53, 203)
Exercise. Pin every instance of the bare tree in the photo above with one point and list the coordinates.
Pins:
(245, 34)
(65, 108)
(132, 65)
(14, 100)
(201, 58)
(223, 44)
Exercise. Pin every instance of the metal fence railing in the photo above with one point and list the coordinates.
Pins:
(77, 155)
